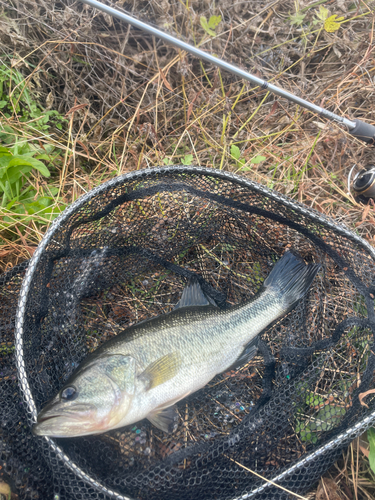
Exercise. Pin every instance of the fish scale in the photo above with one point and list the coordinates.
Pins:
(210, 340)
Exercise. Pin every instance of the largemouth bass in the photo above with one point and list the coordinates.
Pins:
(152, 365)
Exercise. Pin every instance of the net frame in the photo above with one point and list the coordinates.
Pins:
(331, 447)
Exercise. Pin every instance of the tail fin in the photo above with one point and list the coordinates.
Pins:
(291, 278)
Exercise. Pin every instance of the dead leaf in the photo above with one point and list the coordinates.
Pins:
(4, 253)
(337, 52)
(166, 83)
(75, 108)
(120, 312)
(31, 250)
(190, 108)
(85, 148)
(21, 237)
(363, 395)
(328, 490)
(365, 212)
(5, 489)
(364, 451)
(50, 100)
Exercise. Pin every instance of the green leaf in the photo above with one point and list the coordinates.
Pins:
(206, 26)
(214, 21)
(5, 151)
(257, 159)
(305, 433)
(53, 191)
(7, 134)
(254, 161)
(371, 440)
(313, 399)
(4, 162)
(32, 162)
(49, 148)
(323, 13)
(297, 18)
(327, 418)
(187, 160)
(14, 173)
(43, 157)
(235, 151)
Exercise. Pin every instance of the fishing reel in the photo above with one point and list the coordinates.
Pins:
(363, 186)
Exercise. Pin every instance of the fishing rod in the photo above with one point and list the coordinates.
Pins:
(357, 128)
(364, 182)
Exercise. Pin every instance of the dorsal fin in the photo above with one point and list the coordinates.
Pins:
(193, 295)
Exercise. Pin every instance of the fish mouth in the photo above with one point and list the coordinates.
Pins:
(57, 425)
(57, 422)
(54, 409)
(43, 426)
(44, 418)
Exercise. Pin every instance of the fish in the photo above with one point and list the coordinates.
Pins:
(146, 369)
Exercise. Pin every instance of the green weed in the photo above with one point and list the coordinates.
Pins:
(324, 420)
(371, 440)
(210, 25)
(181, 155)
(18, 193)
(236, 153)
(16, 98)
(24, 199)
(241, 162)
(297, 18)
(314, 415)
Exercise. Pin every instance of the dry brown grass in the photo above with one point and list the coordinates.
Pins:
(133, 102)
(350, 477)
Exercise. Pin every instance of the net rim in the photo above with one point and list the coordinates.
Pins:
(59, 221)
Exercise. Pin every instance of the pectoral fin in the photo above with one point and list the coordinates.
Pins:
(165, 419)
(161, 370)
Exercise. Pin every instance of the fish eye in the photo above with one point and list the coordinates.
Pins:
(69, 393)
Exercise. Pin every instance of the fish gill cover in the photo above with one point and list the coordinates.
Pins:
(124, 253)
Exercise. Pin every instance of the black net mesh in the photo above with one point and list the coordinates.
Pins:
(122, 254)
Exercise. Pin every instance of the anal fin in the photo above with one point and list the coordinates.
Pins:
(246, 355)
